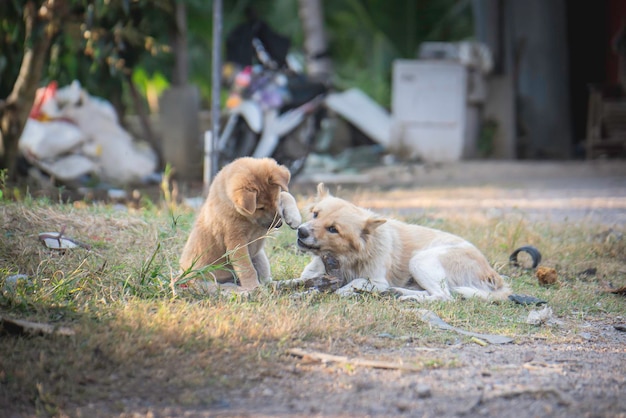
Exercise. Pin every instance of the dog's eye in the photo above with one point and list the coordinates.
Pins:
(315, 214)
(332, 229)
(260, 208)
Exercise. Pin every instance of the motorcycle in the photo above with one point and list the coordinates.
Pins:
(273, 109)
(272, 114)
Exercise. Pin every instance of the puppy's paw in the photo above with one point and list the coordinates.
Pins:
(286, 284)
(266, 280)
(289, 210)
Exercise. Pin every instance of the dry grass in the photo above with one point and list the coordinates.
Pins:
(136, 337)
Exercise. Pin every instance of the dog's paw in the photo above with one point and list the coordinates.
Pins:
(346, 292)
(393, 292)
(304, 294)
(289, 210)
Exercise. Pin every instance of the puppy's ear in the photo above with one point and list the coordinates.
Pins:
(370, 225)
(322, 191)
(245, 201)
(281, 177)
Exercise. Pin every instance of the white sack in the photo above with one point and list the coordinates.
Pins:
(47, 140)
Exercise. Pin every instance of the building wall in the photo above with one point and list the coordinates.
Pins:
(540, 42)
(616, 19)
(530, 41)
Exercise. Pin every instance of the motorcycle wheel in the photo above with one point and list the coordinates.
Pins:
(240, 144)
(294, 148)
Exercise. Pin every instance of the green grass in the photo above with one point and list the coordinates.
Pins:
(136, 332)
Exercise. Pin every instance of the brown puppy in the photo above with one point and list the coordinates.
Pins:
(379, 254)
(246, 200)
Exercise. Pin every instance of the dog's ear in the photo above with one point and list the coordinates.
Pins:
(370, 225)
(322, 191)
(245, 200)
(281, 177)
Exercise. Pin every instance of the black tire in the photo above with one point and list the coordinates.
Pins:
(241, 143)
(532, 251)
(294, 148)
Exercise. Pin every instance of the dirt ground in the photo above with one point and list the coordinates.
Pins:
(593, 191)
(585, 377)
(529, 379)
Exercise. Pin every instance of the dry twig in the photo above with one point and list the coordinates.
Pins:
(19, 326)
(330, 358)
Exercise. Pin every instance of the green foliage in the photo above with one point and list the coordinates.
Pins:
(103, 42)
(11, 44)
(367, 35)
(3, 182)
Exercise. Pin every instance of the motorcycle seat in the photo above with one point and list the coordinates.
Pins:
(301, 91)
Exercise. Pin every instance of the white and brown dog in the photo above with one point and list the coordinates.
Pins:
(379, 254)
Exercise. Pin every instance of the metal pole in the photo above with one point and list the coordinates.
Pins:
(215, 86)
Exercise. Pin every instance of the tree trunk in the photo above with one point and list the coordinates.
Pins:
(39, 31)
(319, 64)
(180, 76)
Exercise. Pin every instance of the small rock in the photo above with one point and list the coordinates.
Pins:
(528, 356)
(403, 406)
(423, 391)
(11, 282)
(117, 194)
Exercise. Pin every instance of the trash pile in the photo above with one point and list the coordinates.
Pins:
(72, 136)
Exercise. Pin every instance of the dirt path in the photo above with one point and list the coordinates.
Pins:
(566, 191)
(582, 379)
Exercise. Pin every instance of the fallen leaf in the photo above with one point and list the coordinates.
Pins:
(547, 276)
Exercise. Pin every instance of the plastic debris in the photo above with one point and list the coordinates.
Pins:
(56, 241)
(542, 317)
(527, 300)
(433, 319)
(11, 282)
(71, 134)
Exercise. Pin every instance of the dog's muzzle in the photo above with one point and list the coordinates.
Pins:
(304, 235)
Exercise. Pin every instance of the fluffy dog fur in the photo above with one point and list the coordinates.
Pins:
(246, 200)
(378, 254)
